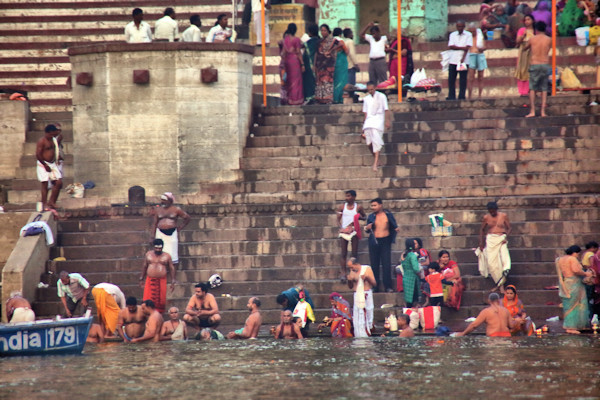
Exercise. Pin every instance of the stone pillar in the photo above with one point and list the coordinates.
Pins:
(148, 119)
(425, 19)
(15, 119)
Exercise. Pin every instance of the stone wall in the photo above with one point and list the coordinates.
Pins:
(13, 125)
(167, 134)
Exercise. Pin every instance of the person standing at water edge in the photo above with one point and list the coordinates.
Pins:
(383, 228)
(202, 310)
(166, 227)
(497, 319)
(253, 322)
(154, 275)
(153, 325)
(348, 215)
(131, 320)
(47, 155)
(18, 309)
(361, 279)
(493, 255)
(73, 290)
(572, 291)
(377, 118)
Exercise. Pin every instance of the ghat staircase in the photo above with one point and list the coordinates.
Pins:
(276, 227)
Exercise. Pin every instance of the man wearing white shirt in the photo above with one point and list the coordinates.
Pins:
(375, 107)
(378, 43)
(257, 17)
(138, 31)
(459, 43)
(220, 32)
(193, 33)
(166, 27)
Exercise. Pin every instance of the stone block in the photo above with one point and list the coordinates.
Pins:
(141, 76)
(84, 78)
(209, 75)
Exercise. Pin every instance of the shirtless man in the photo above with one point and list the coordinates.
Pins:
(154, 275)
(383, 228)
(47, 153)
(348, 231)
(287, 329)
(131, 320)
(18, 309)
(253, 322)
(96, 334)
(202, 310)
(497, 319)
(153, 324)
(165, 225)
(404, 326)
(540, 68)
(174, 328)
(362, 280)
(494, 258)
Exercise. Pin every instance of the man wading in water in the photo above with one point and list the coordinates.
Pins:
(497, 319)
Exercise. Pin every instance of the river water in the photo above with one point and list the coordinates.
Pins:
(315, 368)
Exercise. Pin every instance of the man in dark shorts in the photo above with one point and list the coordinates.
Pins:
(539, 70)
(202, 310)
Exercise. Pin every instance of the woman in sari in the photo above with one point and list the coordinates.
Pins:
(341, 317)
(310, 51)
(291, 58)
(340, 75)
(451, 272)
(325, 66)
(524, 58)
(523, 324)
(406, 57)
(411, 274)
(572, 291)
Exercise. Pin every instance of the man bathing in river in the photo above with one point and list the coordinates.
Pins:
(109, 300)
(492, 252)
(362, 280)
(165, 225)
(153, 325)
(157, 264)
(47, 154)
(131, 320)
(18, 309)
(497, 319)
(253, 322)
(287, 329)
(174, 328)
(404, 326)
(202, 310)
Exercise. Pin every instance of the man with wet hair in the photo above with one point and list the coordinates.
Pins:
(348, 215)
(132, 320)
(253, 322)
(174, 328)
(497, 319)
(362, 280)
(287, 329)
(404, 326)
(157, 265)
(493, 255)
(138, 30)
(202, 310)
(153, 324)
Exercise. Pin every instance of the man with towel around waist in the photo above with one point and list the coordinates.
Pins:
(361, 279)
(18, 308)
(492, 252)
(109, 300)
(165, 225)
(157, 264)
(377, 118)
(47, 154)
(348, 215)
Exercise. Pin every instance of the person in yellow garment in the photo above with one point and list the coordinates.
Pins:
(109, 300)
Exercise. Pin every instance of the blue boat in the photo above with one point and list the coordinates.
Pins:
(65, 336)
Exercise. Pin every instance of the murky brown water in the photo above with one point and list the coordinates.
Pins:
(379, 368)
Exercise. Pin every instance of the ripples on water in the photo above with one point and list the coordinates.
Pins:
(379, 368)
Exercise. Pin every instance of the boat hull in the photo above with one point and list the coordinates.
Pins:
(66, 336)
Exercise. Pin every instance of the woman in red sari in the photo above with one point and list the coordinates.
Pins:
(406, 57)
(341, 317)
(523, 325)
(291, 59)
(451, 272)
(325, 65)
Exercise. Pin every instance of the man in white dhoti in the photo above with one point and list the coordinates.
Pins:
(361, 279)
(493, 255)
(375, 107)
(166, 226)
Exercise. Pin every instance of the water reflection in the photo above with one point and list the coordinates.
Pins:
(423, 367)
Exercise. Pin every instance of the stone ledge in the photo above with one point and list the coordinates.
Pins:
(159, 46)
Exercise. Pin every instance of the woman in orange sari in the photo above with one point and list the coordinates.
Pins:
(341, 317)
(451, 272)
(523, 324)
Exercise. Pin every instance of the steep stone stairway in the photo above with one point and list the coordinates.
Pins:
(276, 227)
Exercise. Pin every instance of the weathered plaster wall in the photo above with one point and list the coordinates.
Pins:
(165, 135)
(425, 19)
(342, 13)
(14, 119)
